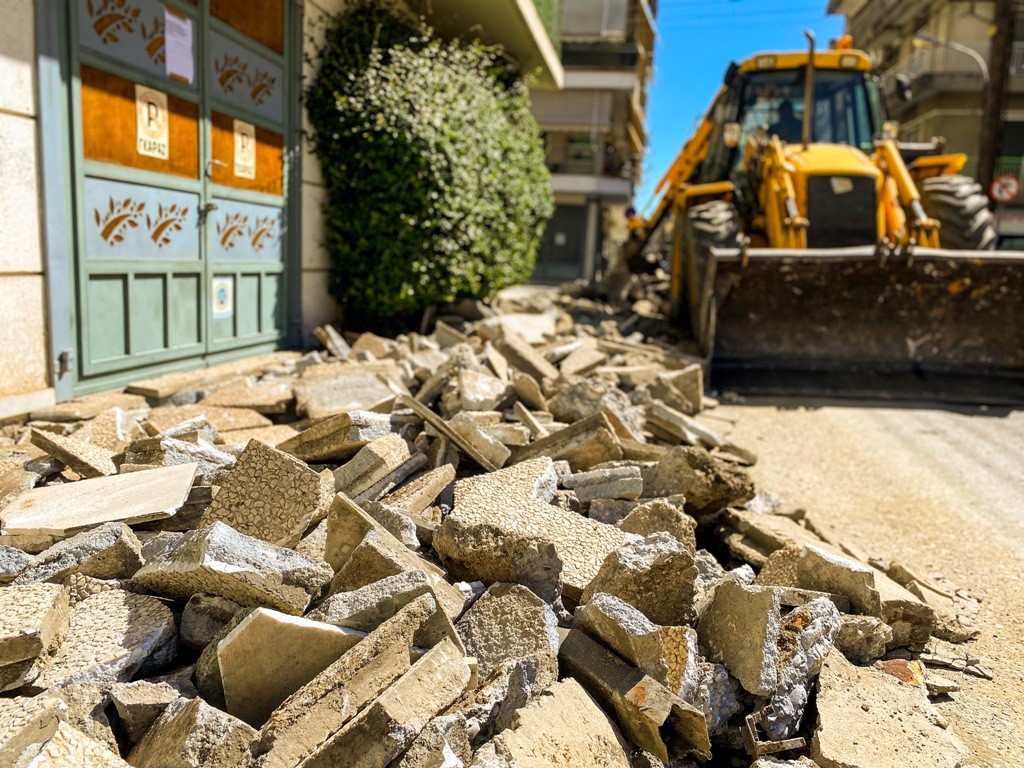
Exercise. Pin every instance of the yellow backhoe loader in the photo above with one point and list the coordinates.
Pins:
(803, 237)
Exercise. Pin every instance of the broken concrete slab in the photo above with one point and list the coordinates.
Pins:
(34, 620)
(203, 618)
(273, 435)
(267, 396)
(611, 511)
(350, 390)
(337, 437)
(585, 444)
(12, 563)
(414, 496)
(218, 560)
(708, 483)
(324, 705)
(165, 386)
(612, 483)
(650, 715)
(589, 396)
(562, 723)
(740, 629)
(389, 725)
(192, 734)
(525, 358)
(271, 495)
(333, 341)
(863, 639)
(169, 451)
(139, 704)
(110, 551)
(370, 606)
(86, 459)
(623, 629)
(374, 462)
(68, 747)
(269, 655)
(443, 741)
(503, 529)
(58, 511)
(111, 636)
(867, 718)
(510, 622)
(661, 515)
(495, 452)
(468, 447)
(164, 419)
(656, 575)
(480, 391)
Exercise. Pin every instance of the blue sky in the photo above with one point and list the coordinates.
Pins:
(696, 41)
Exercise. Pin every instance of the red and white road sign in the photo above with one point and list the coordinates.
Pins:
(1005, 188)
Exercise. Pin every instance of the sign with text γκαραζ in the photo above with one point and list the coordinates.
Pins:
(245, 150)
(151, 128)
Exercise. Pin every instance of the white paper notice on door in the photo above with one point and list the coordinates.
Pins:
(245, 150)
(178, 54)
(151, 128)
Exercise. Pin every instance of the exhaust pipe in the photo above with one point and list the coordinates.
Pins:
(809, 91)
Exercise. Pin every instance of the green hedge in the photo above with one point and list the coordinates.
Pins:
(435, 169)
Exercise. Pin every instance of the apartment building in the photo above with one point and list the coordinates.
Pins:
(160, 211)
(947, 83)
(595, 131)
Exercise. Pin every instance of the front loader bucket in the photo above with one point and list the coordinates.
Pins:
(801, 316)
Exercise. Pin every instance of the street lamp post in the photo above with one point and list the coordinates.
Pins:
(931, 39)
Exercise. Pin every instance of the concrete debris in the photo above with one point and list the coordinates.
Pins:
(434, 529)
(869, 718)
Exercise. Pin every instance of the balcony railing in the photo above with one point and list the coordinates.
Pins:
(943, 60)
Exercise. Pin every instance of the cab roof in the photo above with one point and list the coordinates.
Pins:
(846, 59)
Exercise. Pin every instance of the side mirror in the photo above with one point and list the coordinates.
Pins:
(904, 87)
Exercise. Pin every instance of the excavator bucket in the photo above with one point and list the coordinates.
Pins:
(938, 324)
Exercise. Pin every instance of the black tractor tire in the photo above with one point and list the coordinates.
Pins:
(709, 225)
(961, 207)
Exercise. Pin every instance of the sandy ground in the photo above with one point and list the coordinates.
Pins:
(940, 490)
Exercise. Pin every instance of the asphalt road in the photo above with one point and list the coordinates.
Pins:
(942, 491)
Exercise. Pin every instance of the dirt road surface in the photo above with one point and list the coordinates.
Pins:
(940, 490)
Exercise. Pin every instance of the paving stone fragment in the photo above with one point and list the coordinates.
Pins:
(370, 606)
(111, 430)
(510, 622)
(657, 575)
(374, 461)
(740, 629)
(417, 494)
(165, 418)
(867, 718)
(481, 391)
(58, 511)
(585, 444)
(443, 742)
(650, 715)
(562, 724)
(68, 747)
(503, 529)
(211, 461)
(468, 447)
(34, 620)
(169, 384)
(611, 511)
(623, 629)
(337, 437)
(464, 426)
(110, 551)
(203, 618)
(90, 406)
(333, 341)
(192, 734)
(272, 496)
(389, 725)
(218, 560)
(265, 396)
(525, 358)
(273, 435)
(613, 483)
(509, 435)
(708, 483)
(661, 515)
(12, 563)
(111, 636)
(588, 396)
(86, 459)
(269, 655)
(324, 705)
(862, 639)
(25, 723)
(352, 390)
(140, 703)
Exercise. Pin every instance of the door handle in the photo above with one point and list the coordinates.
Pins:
(206, 209)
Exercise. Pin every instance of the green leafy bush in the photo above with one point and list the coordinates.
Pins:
(435, 169)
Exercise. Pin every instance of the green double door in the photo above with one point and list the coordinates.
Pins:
(180, 113)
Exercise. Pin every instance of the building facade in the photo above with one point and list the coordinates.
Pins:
(947, 84)
(595, 131)
(161, 211)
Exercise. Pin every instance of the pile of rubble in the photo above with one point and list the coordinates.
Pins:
(508, 543)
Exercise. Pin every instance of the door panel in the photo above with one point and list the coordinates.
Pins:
(180, 232)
